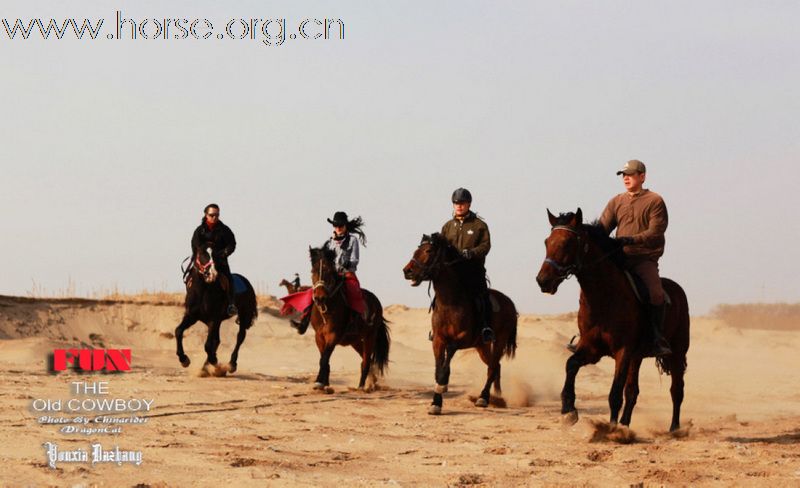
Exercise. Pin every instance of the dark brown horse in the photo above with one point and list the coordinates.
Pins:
(336, 324)
(455, 322)
(207, 302)
(610, 319)
(290, 288)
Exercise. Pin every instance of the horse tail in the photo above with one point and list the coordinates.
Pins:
(248, 311)
(382, 344)
(679, 339)
(508, 309)
(510, 347)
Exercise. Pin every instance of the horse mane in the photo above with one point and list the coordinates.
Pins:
(318, 253)
(598, 235)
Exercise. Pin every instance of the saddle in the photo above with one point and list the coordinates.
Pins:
(640, 290)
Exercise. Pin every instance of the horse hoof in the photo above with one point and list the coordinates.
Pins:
(220, 371)
(440, 389)
(434, 410)
(318, 386)
(185, 361)
(232, 368)
(480, 402)
(570, 418)
(328, 390)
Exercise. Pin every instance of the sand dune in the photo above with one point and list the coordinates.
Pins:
(265, 426)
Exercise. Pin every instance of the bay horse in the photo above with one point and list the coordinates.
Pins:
(454, 322)
(335, 323)
(611, 320)
(290, 288)
(207, 302)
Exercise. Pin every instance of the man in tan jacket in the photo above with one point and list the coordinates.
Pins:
(469, 234)
(640, 217)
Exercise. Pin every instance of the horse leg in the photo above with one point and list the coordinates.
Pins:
(620, 376)
(187, 322)
(574, 363)
(677, 370)
(323, 377)
(450, 351)
(631, 391)
(484, 351)
(212, 342)
(235, 355)
(364, 350)
(439, 355)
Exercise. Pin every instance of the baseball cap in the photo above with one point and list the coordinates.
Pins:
(631, 167)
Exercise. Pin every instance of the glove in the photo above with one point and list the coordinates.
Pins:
(467, 254)
(624, 241)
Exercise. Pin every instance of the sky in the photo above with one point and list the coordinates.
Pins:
(111, 148)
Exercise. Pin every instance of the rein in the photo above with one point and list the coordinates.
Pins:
(323, 308)
(567, 271)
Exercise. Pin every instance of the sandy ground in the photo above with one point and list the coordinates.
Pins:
(264, 426)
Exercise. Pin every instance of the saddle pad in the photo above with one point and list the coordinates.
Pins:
(239, 284)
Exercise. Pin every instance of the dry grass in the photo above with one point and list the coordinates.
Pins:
(767, 316)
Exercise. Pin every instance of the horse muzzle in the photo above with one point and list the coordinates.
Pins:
(548, 284)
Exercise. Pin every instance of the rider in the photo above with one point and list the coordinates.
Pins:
(640, 217)
(469, 234)
(214, 234)
(343, 242)
(296, 282)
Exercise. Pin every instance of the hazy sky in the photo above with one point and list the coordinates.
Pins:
(111, 148)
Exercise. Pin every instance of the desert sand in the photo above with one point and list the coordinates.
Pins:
(264, 426)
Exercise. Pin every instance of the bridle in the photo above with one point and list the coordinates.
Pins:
(566, 271)
(320, 283)
(203, 269)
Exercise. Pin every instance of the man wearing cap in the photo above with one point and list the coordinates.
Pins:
(640, 217)
(219, 237)
(469, 234)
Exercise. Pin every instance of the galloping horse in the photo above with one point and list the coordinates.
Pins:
(336, 324)
(454, 321)
(610, 319)
(290, 288)
(207, 302)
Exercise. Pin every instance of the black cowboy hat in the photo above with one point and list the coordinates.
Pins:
(339, 219)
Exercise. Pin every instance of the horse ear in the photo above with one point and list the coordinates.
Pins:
(579, 216)
(552, 218)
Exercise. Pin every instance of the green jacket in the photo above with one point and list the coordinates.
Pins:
(471, 233)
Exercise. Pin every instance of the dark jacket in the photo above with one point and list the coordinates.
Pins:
(221, 239)
(471, 233)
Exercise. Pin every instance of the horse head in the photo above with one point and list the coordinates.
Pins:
(324, 276)
(564, 247)
(204, 263)
(427, 259)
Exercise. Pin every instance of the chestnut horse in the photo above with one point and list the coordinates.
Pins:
(290, 288)
(455, 322)
(207, 302)
(611, 320)
(335, 323)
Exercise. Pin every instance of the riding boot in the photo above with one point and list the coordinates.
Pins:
(302, 324)
(660, 346)
(232, 310)
(484, 314)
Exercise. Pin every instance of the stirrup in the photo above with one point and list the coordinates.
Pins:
(487, 334)
(232, 310)
(661, 349)
(572, 347)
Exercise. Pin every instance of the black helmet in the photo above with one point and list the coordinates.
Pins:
(462, 195)
(339, 219)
